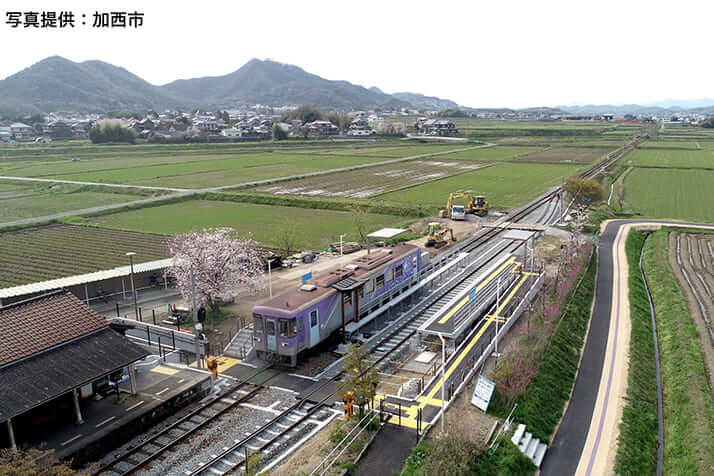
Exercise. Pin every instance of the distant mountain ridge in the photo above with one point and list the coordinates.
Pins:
(420, 101)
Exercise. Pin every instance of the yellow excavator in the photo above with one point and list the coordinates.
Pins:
(475, 204)
(438, 237)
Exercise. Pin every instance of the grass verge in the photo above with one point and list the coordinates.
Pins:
(455, 456)
(545, 397)
(688, 409)
(637, 442)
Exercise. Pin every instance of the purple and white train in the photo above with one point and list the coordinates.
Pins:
(298, 320)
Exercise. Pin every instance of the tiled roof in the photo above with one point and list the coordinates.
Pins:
(49, 375)
(38, 324)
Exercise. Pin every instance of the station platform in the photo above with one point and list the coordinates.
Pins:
(472, 301)
(469, 356)
(109, 422)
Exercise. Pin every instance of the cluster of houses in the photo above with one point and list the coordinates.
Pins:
(435, 127)
(52, 128)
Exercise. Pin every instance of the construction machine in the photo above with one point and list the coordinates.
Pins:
(475, 204)
(438, 237)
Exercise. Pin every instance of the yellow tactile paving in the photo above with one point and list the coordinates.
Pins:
(164, 370)
(465, 299)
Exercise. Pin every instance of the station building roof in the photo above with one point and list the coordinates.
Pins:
(52, 344)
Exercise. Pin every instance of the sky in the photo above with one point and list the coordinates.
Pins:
(477, 53)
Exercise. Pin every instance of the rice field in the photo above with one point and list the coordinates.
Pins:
(671, 193)
(368, 182)
(567, 155)
(18, 202)
(703, 159)
(505, 185)
(267, 224)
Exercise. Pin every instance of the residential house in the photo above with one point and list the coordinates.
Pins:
(22, 131)
(322, 128)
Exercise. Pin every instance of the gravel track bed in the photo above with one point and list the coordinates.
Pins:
(268, 396)
(235, 425)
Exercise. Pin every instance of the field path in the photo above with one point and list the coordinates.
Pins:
(188, 192)
(100, 184)
(586, 439)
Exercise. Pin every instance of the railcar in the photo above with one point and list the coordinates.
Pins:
(298, 320)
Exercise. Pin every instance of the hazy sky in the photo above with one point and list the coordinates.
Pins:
(478, 53)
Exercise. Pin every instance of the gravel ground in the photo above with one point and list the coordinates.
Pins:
(268, 396)
(210, 440)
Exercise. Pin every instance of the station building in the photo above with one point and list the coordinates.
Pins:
(55, 351)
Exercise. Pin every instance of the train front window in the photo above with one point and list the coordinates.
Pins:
(257, 323)
(270, 327)
(398, 271)
(287, 327)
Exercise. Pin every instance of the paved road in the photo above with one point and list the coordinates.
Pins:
(586, 440)
(188, 192)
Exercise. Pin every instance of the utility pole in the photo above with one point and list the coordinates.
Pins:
(496, 316)
(341, 243)
(198, 325)
(270, 278)
(131, 254)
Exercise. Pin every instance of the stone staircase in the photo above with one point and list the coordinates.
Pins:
(241, 346)
(531, 447)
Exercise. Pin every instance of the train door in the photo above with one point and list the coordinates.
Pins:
(270, 333)
(314, 328)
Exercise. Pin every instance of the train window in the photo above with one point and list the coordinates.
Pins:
(368, 287)
(347, 298)
(379, 281)
(270, 327)
(414, 261)
(313, 318)
(389, 275)
(360, 292)
(399, 271)
(257, 323)
(286, 327)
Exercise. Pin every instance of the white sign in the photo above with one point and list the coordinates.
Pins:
(483, 393)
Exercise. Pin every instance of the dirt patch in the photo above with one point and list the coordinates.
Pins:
(466, 420)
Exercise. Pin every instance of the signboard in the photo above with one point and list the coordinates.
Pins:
(472, 295)
(306, 277)
(483, 393)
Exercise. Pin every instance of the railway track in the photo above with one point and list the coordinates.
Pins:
(178, 432)
(273, 438)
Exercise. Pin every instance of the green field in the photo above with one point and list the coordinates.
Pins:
(671, 158)
(671, 193)
(505, 185)
(55, 251)
(28, 201)
(313, 228)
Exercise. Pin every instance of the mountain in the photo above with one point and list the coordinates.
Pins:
(419, 101)
(660, 109)
(274, 84)
(56, 83)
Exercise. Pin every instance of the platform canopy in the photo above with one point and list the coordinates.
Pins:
(386, 233)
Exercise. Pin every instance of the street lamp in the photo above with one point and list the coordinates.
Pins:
(131, 255)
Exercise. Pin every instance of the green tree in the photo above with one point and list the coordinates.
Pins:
(111, 131)
(279, 133)
(361, 376)
(304, 113)
(341, 120)
(708, 123)
(584, 190)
